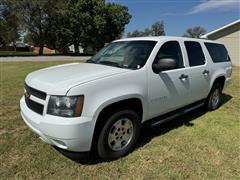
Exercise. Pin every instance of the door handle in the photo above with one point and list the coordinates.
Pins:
(205, 72)
(183, 77)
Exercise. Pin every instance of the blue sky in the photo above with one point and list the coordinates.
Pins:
(178, 15)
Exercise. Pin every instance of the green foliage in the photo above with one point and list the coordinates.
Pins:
(135, 33)
(157, 29)
(59, 24)
(38, 19)
(117, 17)
(15, 53)
(93, 23)
(85, 21)
(9, 22)
(194, 32)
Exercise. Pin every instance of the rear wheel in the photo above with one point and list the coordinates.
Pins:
(214, 98)
(119, 134)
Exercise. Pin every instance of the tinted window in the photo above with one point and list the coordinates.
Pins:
(172, 50)
(195, 53)
(218, 52)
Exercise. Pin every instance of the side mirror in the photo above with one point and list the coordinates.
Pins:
(164, 64)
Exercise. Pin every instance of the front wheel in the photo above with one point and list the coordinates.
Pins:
(214, 98)
(119, 134)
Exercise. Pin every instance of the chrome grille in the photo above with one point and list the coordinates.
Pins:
(33, 105)
(35, 92)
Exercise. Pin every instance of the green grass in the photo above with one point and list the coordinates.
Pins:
(26, 54)
(14, 53)
(199, 145)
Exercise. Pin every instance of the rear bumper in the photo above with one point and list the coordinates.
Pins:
(73, 134)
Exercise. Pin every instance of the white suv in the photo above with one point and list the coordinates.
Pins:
(101, 104)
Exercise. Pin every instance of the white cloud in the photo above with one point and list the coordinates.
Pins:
(220, 5)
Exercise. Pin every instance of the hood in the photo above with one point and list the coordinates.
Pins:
(59, 79)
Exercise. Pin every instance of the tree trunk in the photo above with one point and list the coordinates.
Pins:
(14, 47)
(76, 47)
(41, 50)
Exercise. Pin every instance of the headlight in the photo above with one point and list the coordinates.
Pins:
(65, 106)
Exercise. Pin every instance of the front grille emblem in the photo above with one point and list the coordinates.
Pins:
(27, 95)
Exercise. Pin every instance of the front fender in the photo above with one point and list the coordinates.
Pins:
(121, 98)
(100, 93)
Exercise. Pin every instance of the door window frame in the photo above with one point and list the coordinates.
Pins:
(182, 51)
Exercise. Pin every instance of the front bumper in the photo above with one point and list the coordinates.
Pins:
(73, 134)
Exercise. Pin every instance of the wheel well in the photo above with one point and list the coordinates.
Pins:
(133, 103)
(220, 80)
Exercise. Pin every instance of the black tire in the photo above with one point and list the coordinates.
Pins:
(103, 147)
(215, 93)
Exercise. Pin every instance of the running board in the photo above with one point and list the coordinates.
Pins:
(171, 115)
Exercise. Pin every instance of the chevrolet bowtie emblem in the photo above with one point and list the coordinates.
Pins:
(27, 95)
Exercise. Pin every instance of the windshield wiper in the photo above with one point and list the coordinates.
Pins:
(110, 63)
(91, 61)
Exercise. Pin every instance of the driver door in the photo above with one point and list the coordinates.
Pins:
(169, 89)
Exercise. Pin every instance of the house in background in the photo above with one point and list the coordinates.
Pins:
(87, 50)
(71, 48)
(230, 36)
(46, 50)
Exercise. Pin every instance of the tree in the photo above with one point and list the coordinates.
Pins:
(38, 18)
(61, 23)
(147, 32)
(86, 21)
(194, 32)
(9, 23)
(117, 17)
(61, 36)
(94, 23)
(157, 29)
(135, 33)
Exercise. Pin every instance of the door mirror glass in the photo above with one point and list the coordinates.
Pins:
(164, 64)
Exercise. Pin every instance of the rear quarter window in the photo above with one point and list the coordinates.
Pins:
(218, 52)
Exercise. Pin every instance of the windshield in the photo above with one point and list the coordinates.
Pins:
(124, 54)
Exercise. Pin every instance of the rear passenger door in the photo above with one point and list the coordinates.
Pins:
(198, 71)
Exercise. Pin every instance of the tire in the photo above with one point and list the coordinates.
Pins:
(119, 134)
(214, 98)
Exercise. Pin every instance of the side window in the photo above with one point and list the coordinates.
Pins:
(195, 53)
(170, 49)
(218, 52)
